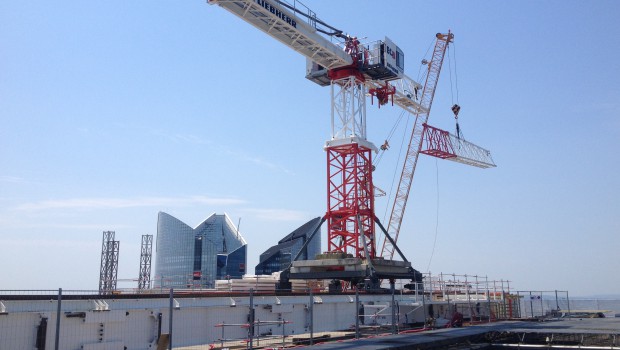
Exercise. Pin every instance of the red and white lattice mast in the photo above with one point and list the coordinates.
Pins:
(350, 197)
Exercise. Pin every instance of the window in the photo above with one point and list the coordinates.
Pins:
(400, 59)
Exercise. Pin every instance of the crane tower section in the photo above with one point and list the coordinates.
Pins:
(350, 197)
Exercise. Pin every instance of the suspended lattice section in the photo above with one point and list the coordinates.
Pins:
(442, 144)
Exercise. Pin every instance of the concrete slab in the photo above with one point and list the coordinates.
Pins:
(443, 338)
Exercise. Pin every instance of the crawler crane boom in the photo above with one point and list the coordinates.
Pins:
(415, 143)
(439, 143)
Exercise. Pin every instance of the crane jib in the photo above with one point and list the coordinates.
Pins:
(277, 12)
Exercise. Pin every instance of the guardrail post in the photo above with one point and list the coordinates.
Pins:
(488, 296)
(423, 301)
(311, 315)
(57, 340)
(357, 313)
(170, 319)
(542, 307)
(283, 332)
(393, 289)
(251, 319)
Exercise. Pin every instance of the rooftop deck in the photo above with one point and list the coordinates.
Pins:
(593, 333)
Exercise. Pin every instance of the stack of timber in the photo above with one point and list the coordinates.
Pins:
(265, 283)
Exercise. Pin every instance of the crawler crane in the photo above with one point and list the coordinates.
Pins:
(432, 141)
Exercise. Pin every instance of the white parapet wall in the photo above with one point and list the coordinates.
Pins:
(136, 322)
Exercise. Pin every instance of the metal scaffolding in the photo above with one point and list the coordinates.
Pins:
(109, 263)
(146, 254)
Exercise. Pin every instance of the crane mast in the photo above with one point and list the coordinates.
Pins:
(415, 143)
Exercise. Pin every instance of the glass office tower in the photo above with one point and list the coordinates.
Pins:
(195, 257)
(278, 257)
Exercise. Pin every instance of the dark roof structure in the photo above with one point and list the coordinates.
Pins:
(275, 258)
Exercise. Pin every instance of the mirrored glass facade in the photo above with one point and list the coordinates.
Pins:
(278, 257)
(195, 257)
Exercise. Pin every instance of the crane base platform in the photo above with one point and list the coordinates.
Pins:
(351, 268)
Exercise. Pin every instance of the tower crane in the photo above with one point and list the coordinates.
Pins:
(353, 71)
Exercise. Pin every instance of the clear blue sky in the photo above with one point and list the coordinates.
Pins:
(112, 111)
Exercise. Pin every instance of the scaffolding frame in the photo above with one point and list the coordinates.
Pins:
(108, 272)
(146, 255)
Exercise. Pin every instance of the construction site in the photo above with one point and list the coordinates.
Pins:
(362, 253)
(363, 291)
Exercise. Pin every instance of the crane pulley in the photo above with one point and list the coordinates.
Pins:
(383, 94)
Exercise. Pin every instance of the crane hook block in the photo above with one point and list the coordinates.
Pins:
(383, 94)
(456, 109)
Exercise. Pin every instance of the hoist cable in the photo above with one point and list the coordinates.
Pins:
(424, 57)
(456, 76)
(389, 137)
(400, 152)
(436, 218)
(450, 71)
(459, 133)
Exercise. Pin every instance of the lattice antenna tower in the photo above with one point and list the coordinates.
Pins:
(114, 265)
(108, 273)
(108, 237)
(146, 254)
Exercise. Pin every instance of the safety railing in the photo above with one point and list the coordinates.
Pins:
(205, 319)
